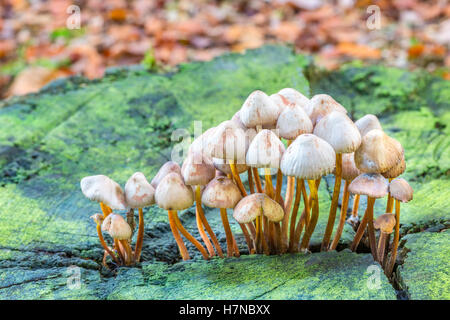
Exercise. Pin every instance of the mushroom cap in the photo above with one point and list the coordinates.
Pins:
(385, 222)
(168, 167)
(265, 151)
(280, 101)
(197, 169)
(229, 142)
(256, 204)
(221, 192)
(101, 188)
(201, 143)
(224, 166)
(173, 194)
(367, 123)
(339, 131)
(237, 119)
(293, 121)
(258, 110)
(98, 218)
(349, 169)
(308, 157)
(320, 105)
(378, 152)
(396, 170)
(117, 227)
(373, 185)
(138, 192)
(401, 190)
(294, 96)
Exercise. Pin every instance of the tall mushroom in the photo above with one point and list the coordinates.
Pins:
(320, 105)
(166, 168)
(222, 193)
(308, 158)
(386, 223)
(258, 110)
(401, 191)
(197, 171)
(119, 230)
(374, 186)
(173, 195)
(341, 133)
(139, 193)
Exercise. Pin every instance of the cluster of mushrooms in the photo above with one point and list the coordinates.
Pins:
(287, 135)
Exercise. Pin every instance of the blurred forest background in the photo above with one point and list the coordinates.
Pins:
(37, 47)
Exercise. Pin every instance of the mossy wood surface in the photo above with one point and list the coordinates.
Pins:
(123, 123)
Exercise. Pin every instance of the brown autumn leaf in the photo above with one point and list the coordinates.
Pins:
(287, 31)
(359, 51)
(415, 51)
(117, 14)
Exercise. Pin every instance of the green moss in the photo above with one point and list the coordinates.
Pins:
(425, 273)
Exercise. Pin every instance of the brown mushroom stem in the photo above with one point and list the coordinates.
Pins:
(278, 186)
(173, 226)
(268, 186)
(140, 236)
(248, 240)
(388, 239)
(314, 215)
(277, 226)
(343, 216)
(237, 254)
(390, 267)
(203, 235)
(334, 203)
(228, 233)
(381, 246)
(257, 180)
(289, 195)
(104, 245)
(355, 206)
(204, 221)
(189, 237)
(251, 227)
(298, 193)
(250, 181)
(360, 232)
(237, 179)
(304, 217)
(390, 201)
(258, 240)
(105, 209)
(120, 250)
(128, 252)
(371, 229)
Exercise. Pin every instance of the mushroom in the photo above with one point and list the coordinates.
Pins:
(393, 173)
(401, 191)
(308, 158)
(294, 96)
(98, 218)
(222, 193)
(229, 143)
(202, 143)
(374, 186)
(252, 208)
(349, 172)
(139, 193)
(266, 151)
(320, 105)
(120, 231)
(341, 133)
(197, 171)
(368, 123)
(385, 223)
(258, 110)
(168, 167)
(291, 123)
(173, 195)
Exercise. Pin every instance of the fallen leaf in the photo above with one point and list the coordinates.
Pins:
(358, 51)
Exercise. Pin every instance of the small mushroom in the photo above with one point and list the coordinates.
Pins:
(222, 193)
(173, 195)
(341, 133)
(139, 193)
(393, 173)
(202, 143)
(401, 191)
(258, 110)
(294, 96)
(98, 218)
(386, 223)
(168, 167)
(120, 231)
(307, 158)
(320, 105)
(374, 186)
(368, 123)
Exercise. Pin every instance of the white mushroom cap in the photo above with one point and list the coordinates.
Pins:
(401, 190)
(385, 222)
(349, 169)
(258, 110)
(117, 227)
(167, 168)
(173, 194)
(100, 188)
(229, 142)
(265, 151)
(257, 204)
(378, 152)
(197, 169)
(224, 166)
(373, 185)
(294, 96)
(98, 218)
(138, 192)
(293, 122)
(320, 105)
(339, 131)
(280, 101)
(308, 157)
(201, 144)
(396, 170)
(237, 119)
(367, 123)
(221, 192)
